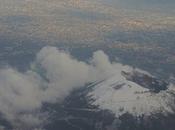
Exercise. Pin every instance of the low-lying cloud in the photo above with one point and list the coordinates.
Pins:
(52, 76)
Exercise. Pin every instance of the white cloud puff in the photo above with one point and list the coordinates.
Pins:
(53, 75)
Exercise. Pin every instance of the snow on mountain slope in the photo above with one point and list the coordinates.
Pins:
(135, 92)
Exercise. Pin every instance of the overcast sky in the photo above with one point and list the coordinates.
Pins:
(164, 6)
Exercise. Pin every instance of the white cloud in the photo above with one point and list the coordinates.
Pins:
(53, 75)
(62, 71)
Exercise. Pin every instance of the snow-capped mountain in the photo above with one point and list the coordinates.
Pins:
(133, 91)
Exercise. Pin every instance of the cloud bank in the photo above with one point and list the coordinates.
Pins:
(52, 76)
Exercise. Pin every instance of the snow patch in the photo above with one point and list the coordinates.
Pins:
(121, 95)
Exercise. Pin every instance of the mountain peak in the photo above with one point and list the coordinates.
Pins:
(137, 93)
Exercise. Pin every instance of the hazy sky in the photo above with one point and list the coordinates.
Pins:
(82, 21)
(159, 5)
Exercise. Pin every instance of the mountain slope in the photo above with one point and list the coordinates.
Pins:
(135, 92)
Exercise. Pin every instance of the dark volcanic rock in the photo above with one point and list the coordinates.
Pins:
(147, 81)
